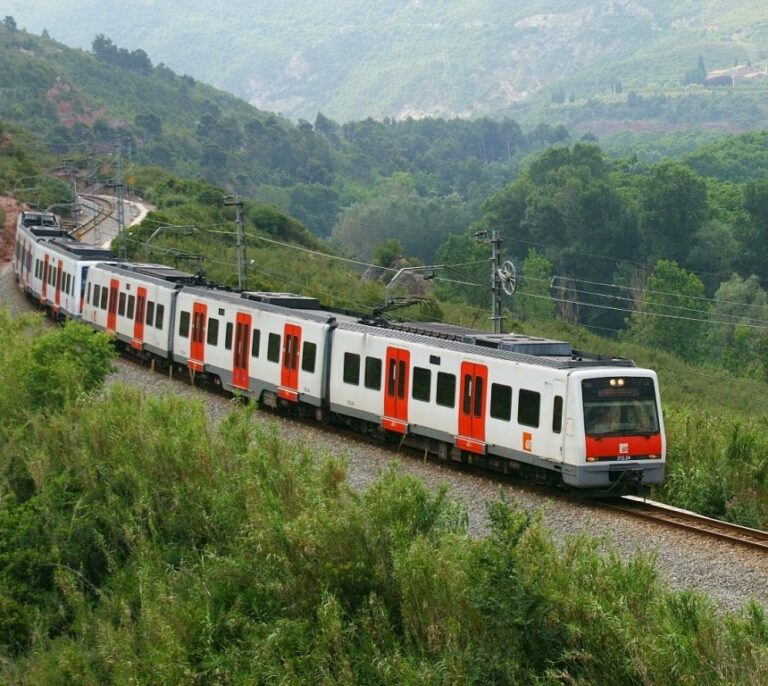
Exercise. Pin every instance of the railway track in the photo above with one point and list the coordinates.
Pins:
(689, 521)
(102, 208)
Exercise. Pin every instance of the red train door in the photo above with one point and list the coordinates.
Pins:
(242, 351)
(474, 383)
(196, 360)
(57, 294)
(44, 289)
(138, 321)
(289, 372)
(114, 286)
(398, 362)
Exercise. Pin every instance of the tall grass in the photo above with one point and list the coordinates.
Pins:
(716, 466)
(150, 549)
(138, 545)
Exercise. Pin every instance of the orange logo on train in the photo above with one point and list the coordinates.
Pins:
(527, 442)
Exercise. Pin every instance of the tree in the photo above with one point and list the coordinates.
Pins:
(386, 253)
(66, 363)
(421, 224)
(697, 74)
(469, 280)
(671, 312)
(737, 336)
(10, 23)
(673, 205)
(533, 298)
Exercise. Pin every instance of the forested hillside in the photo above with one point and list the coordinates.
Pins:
(90, 107)
(576, 61)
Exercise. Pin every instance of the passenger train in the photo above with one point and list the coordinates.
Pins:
(513, 403)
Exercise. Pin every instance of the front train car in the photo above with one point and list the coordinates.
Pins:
(616, 441)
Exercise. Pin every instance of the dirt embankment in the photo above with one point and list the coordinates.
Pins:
(11, 209)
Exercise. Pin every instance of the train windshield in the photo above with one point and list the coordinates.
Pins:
(620, 406)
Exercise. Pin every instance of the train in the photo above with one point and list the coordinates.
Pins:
(516, 404)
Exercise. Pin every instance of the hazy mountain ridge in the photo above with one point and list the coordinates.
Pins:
(350, 60)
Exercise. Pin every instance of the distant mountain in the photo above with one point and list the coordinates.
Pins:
(350, 59)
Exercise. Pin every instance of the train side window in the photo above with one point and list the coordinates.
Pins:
(529, 403)
(557, 414)
(131, 306)
(213, 331)
(422, 384)
(184, 324)
(88, 294)
(104, 296)
(273, 347)
(255, 342)
(121, 305)
(308, 356)
(352, 368)
(445, 394)
(228, 336)
(372, 373)
(501, 401)
(96, 295)
(159, 314)
(150, 313)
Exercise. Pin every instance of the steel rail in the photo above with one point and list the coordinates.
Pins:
(688, 521)
(103, 209)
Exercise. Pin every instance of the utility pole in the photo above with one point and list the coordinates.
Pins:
(71, 172)
(503, 277)
(496, 282)
(240, 240)
(122, 249)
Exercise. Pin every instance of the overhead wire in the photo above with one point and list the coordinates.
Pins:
(641, 290)
(746, 321)
(638, 312)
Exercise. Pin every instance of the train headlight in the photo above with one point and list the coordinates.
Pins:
(616, 382)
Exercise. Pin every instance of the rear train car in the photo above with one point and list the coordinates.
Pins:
(51, 266)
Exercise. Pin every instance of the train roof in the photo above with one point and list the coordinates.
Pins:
(511, 346)
(313, 311)
(514, 342)
(82, 251)
(159, 272)
(574, 359)
(36, 220)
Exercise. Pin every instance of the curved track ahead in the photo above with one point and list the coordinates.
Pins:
(103, 209)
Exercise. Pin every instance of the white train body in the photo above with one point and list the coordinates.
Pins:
(51, 266)
(253, 347)
(136, 305)
(513, 403)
